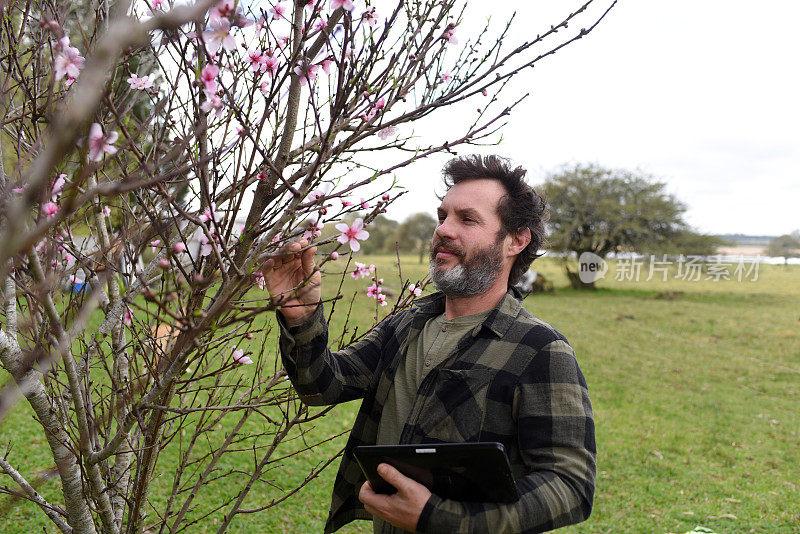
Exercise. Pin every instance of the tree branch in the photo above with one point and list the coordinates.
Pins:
(34, 496)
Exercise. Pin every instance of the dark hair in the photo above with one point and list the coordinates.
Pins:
(521, 206)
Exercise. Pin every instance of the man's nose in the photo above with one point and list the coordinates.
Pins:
(444, 230)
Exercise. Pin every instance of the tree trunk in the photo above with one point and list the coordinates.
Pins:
(79, 515)
(575, 281)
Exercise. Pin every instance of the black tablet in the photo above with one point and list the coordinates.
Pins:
(477, 472)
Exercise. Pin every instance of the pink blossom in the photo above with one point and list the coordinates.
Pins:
(327, 65)
(240, 20)
(106, 211)
(206, 246)
(100, 143)
(240, 358)
(346, 203)
(387, 132)
(446, 76)
(163, 263)
(140, 83)
(58, 185)
(367, 115)
(319, 25)
(154, 244)
(223, 10)
(68, 61)
(212, 102)
(256, 60)
(219, 36)
(334, 255)
(378, 106)
(344, 4)
(20, 190)
(307, 72)
(68, 260)
(320, 192)
(127, 316)
(282, 40)
(370, 17)
(373, 290)
(260, 279)
(277, 11)
(449, 35)
(157, 5)
(209, 213)
(414, 290)
(178, 247)
(314, 229)
(75, 280)
(315, 5)
(385, 197)
(361, 270)
(50, 209)
(382, 299)
(208, 77)
(364, 205)
(270, 65)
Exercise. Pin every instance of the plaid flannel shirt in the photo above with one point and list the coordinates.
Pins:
(513, 379)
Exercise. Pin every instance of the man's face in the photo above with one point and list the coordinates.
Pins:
(467, 252)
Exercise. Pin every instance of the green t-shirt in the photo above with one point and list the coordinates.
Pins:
(435, 343)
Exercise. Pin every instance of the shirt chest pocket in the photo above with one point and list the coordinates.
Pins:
(455, 409)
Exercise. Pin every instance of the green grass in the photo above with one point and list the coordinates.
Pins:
(695, 391)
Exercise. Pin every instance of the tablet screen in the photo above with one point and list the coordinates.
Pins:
(476, 472)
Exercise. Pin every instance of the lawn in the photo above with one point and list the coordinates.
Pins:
(695, 387)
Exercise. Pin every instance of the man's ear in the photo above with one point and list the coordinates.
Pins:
(519, 240)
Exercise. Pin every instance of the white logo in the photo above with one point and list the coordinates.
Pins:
(591, 267)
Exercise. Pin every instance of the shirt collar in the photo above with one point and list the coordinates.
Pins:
(499, 320)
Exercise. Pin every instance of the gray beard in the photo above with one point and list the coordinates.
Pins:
(471, 277)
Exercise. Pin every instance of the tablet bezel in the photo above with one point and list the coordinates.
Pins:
(471, 472)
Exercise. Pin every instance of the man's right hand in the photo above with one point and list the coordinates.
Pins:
(285, 272)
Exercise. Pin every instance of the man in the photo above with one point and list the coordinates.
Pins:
(467, 363)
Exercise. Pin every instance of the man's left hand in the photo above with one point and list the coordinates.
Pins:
(401, 509)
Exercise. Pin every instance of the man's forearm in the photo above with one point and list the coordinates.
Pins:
(546, 502)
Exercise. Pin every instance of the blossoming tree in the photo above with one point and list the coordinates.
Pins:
(152, 159)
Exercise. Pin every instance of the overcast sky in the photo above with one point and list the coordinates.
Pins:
(703, 94)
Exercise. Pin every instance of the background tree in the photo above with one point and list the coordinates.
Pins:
(787, 245)
(382, 231)
(214, 137)
(690, 243)
(414, 234)
(600, 210)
